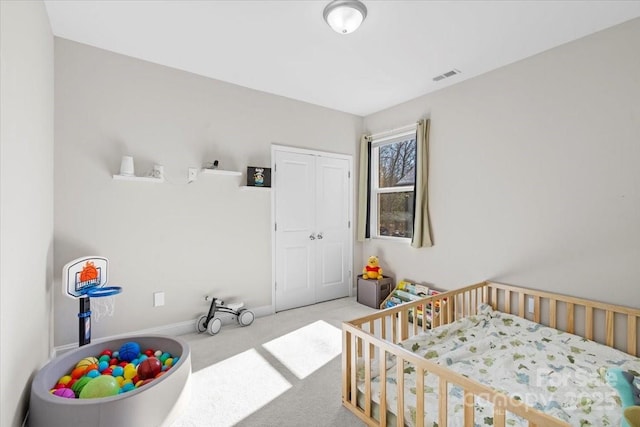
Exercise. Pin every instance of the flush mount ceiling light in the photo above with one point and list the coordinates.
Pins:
(345, 16)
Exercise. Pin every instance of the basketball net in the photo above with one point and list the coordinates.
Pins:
(102, 307)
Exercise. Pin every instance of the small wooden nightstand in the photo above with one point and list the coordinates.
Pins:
(372, 292)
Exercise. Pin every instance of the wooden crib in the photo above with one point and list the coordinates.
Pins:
(375, 337)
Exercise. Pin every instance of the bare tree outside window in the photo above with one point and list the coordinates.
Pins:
(395, 171)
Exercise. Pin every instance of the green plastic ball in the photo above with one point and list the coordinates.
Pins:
(102, 386)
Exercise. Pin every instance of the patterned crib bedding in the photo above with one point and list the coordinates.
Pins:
(556, 372)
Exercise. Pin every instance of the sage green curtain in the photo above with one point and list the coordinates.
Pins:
(363, 188)
(422, 236)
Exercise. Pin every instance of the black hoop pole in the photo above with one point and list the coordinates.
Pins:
(84, 321)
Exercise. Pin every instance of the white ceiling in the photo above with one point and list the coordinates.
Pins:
(285, 47)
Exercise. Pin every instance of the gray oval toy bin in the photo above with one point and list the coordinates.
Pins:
(157, 403)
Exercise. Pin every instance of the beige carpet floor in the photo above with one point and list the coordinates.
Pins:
(283, 370)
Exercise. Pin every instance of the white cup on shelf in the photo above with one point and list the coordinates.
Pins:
(126, 166)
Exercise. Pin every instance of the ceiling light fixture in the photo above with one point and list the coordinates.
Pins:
(345, 16)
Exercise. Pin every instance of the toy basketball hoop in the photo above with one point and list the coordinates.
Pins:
(82, 279)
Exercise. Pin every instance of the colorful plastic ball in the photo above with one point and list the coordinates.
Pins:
(102, 386)
(157, 353)
(103, 365)
(149, 352)
(129, 351)
(164, 356)
(65, 392)
(129, 372)
(65, 379)
(79, 385)
(107, 371)
(149, 368)
(128, 387)
(113, 361)
(93, 373)
(143, 357)
(104, 358)
(169, 361)
(86, 362)
(115, 354)
(117, 371)
(106, 352)
(78, 372)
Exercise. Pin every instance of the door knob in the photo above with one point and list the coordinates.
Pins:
(320, 235)
(312, 236)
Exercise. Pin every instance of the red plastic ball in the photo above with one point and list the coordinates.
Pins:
(106, 352)
(149, 368)
(149, 352)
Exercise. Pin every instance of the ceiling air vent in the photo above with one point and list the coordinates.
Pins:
(446, 75)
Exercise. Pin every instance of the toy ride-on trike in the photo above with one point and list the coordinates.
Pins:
(212, 324)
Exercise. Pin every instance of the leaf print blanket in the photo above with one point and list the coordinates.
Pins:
(556, 372)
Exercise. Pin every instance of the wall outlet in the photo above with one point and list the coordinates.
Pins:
(193, 174)
(158, 299)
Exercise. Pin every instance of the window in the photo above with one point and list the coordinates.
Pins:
(392, 186)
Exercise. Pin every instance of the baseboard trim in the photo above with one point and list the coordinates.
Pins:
(173, 329)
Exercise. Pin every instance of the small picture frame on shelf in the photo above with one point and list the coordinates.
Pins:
(258, 176)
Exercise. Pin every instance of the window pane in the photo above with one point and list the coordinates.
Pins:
(395, 214)
(397, 163)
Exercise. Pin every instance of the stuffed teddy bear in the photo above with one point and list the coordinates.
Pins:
(622, 381)
(372, 270)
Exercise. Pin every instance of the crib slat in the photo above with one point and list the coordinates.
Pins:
(400, 391)
(521, 304)
(570, 317)
(383, 328)
(442, 402)
(383, 387)
(498, 415)
(419, 397)
(354, 372)
(588, 323)
(367, 379)
(394, 329)
(468, 408)
(609, 327)
(632, 343)
(507, 301)
(552, 313)
(346, 363)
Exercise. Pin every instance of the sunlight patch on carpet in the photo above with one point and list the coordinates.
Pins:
(306, 349)
(227, 392)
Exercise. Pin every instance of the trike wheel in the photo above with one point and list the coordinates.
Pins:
(201, 323)
(245, 317)
(214, 326)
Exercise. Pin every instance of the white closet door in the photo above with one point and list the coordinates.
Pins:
(332, 225)
(312, 238)
(294, 184)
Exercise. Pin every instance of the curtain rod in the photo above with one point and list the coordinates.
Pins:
(399, 129)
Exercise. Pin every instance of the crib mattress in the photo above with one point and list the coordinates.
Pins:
(556, 372)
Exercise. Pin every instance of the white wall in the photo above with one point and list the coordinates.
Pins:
(535, 173)
(26, 201)
(187, 240)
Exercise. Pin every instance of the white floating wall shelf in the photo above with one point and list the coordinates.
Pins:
(138, 178)
(206, 171)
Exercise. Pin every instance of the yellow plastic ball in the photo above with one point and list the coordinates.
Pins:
(64, 380)
(86, 362)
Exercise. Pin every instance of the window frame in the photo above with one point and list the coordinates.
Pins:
(374, 181)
